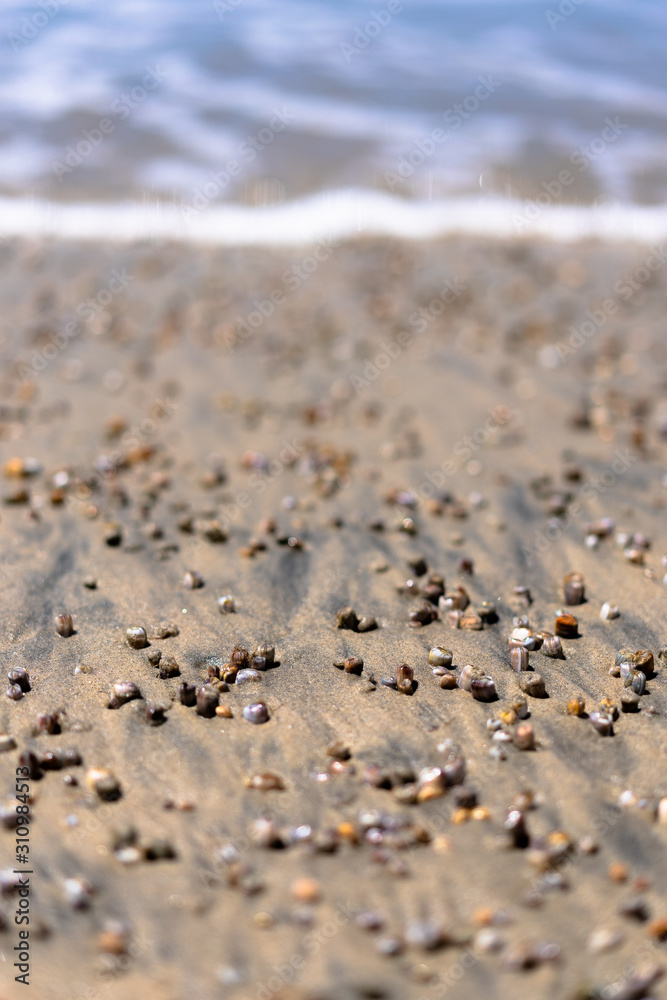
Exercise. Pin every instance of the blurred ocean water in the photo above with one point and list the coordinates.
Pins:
(198, 104)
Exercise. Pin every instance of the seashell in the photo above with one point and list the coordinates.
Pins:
(532, 684)
(567, 626)
(207, 701)
(19, 675)
(268, 653)
(573, 589)
(644, 661)
(483, 689)
(472, 622)
(347, 618)
(136, 637)
(448, 681)
(602, 722)
(248, 676)
(104, 783)
(64, 625)
(367, 624)
(193, 580)
(515, 824)
(405, 679)
(524, 736)
(609, 611)
(576, 705)
(431, 784)
(187, 695)
(467, 675)
(519, 659)
(226, 604)
(439, 656)
(256, 713)
(122, 692)
(552, 647)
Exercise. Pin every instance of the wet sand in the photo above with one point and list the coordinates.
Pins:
(371, 435)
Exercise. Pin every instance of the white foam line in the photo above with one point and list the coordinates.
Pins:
(331, 215)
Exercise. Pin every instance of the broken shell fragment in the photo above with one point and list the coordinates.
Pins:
(483, 689)
(567, 626)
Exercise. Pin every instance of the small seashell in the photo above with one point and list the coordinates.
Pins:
(256, 713)
(155, 714)
(515, 824)
(472, 622)
(64, 625)
(431, 784)
(19, 675)
(14, 692)
(122, 692)
(520, 707)
(78, 893)
(426, 934)
(347, 618)
(519, 659)
(636, 680)
(226, 604)
(573, 589)
(439, 656)
(552, 647)
(7, 743)
(353, 665)
(532, 684)
(267, 653)
(634, 555)
(187, 695)
(423, 615)
(405, 679)
(266, 782)
(169, 668)
(487, 612)
(104, 783)
(240, 658)
(247, 675)
(576, 705)
(602, 722)
(207, 702)
(136, 637)
(154, 656)
(609, 611)
(448, 681)
(467, 675)
(193, 580)
(567, 626)
(483, 689)
(366, 624)
(643, 660)
(629, 701)
(524, 736)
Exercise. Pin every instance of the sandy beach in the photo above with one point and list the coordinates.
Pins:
(365, 424)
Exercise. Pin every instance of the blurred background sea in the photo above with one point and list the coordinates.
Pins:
(458, 109)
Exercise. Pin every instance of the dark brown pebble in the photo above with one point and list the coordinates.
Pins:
(515, 824)
(418, 565)
(187, 695)
(90, 583)
(136, 637)
(154, 657)
(19, 675)
(50, 761)
(165, 630)
(353, 664)
(347, 618)
(567, 626)
(630, 701)
(159, 849)
(644, 661)
(169, 668)
(207, 702)
(29, 759)
(533, 685)
(483, 689)
(48, 722)
(193, 580)
(573, 589)
(64, 625)
(422, 615)
(405, 679)
(448, 681)
(155, 714)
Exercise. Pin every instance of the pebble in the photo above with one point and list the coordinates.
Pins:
(533, 685)
(609, 611)
(104, 783)
(64, 625)
(136, 637)
(207, 701)
(256, 713)
(439, 656)
(7, 743)
(193, 580)
(605, 939)
(226, 604)
(567, 626)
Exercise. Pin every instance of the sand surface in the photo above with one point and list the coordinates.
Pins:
(339, 416)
